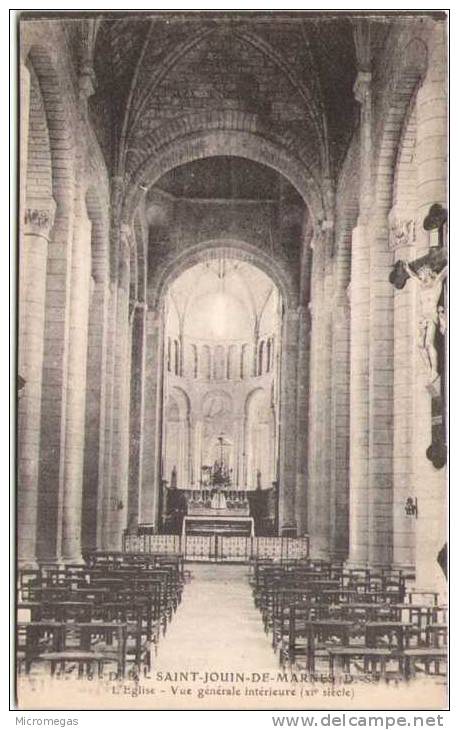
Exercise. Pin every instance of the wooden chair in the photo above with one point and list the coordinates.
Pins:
(375, 659)
(86, 645)
(428, 656)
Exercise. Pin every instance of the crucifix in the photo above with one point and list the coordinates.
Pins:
(429, 272)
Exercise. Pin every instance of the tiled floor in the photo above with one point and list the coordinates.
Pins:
(217, 625)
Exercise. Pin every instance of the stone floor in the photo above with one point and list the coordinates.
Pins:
(217, 625)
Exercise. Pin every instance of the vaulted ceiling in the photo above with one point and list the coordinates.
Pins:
(294, 72)
(243, 292)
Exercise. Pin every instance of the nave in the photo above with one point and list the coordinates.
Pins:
(232, 337)
(218, 628)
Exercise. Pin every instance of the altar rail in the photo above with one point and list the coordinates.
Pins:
(220, 548)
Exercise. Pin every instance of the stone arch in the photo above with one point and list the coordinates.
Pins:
(172, 269)
(255, 456)
(409, 76)
(177, 437)
(223, 396)
(39, 178)
(183, 401)
(224, 133)
(404, 187)
(58, 119)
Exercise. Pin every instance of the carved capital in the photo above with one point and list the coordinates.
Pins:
(402, 228)
(362, 86)
(39, 217)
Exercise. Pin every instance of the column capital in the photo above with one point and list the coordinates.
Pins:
(135, 307)
(39, 217)
(362, 86)
(292, 314)
(402, 227)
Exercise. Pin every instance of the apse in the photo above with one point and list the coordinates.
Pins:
(222, 346)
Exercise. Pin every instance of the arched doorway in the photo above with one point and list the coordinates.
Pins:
(236, 222)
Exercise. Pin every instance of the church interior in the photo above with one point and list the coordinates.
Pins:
(232, 330)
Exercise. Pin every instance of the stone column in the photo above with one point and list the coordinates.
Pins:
(431, 489)
(153, 414)
(55, 371)
(38, 222)
(381, 378)
(117, 515)
(245, 448)
(198, 450)
(360, 306)
(401, 242)
(340, 437)
(314, 398)
(191, 451)
(287, 470)
(76, 387)
(96, 394)
(103, 497)
(340, 372)
(320, 402)
(136, 412)
(302, 421)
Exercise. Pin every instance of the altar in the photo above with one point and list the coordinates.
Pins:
(218, 524)
(218, 503)
(217, 506)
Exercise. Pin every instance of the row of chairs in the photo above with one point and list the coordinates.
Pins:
(107, 614)
(324, 616)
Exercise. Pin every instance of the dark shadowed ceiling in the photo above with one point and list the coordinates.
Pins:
(292, 72)
(226, 178)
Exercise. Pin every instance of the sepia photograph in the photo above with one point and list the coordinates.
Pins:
(231, 485)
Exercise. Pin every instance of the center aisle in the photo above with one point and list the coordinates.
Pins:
(216, 627)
